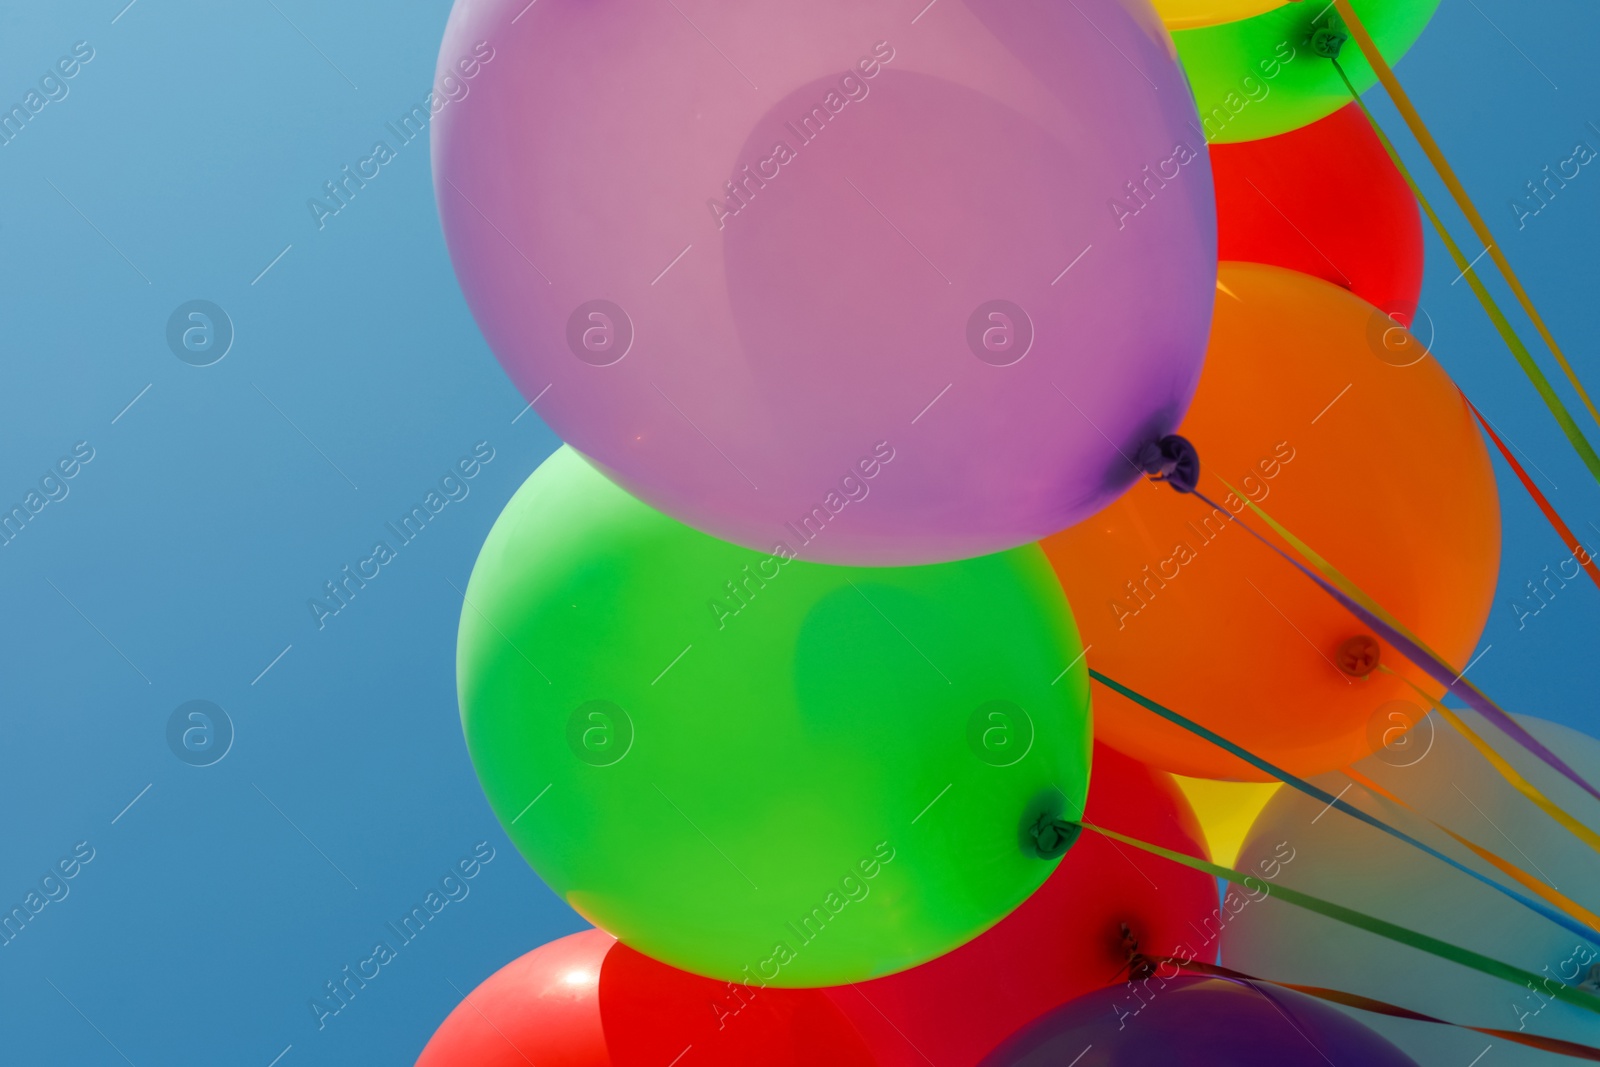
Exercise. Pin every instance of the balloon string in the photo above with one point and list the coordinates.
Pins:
(1506, 867)
(1363, 607)
(1370, 1004)
(1530, 369)
(1591, 934)
(1362, 921)
(1505, 769)
(1430, 147)
(1570, 540)
(1513, 342)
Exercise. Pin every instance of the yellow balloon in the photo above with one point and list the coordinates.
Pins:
(1226, 811)
(1188, 14)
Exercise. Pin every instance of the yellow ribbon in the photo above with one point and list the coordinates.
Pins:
(1511, 870)
(1430, 147)
(1514, 777)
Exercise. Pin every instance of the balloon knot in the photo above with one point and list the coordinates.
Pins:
(1359, 655)
(1327, 41)
(1172, 460)
(1052, 835)
(1140, 966)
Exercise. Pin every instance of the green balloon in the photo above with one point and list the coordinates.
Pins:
(1262, 76)
(757, 768)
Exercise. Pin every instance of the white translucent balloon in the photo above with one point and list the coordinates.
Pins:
(1437, 772)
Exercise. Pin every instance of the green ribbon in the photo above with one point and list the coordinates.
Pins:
(1362, 921)
(1547, 392)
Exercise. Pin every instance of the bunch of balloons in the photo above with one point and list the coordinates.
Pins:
(866, 329)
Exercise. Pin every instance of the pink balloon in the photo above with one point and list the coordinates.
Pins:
(841, 279)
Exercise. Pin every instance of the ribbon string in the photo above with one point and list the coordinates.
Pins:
(1373, 1005)
(1430, 147)
(1363, 607)
(1573, 916)
(1506, 867)
(1362, 921)
(1568, 538)
(1531, 369)
(1588, 933)
(1503, 767)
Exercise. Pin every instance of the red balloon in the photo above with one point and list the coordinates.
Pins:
(1323, 200)
(587, 1001)
(1064, 941)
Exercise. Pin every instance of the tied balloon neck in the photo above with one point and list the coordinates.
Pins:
(1140, 967)
(1053, 835)
(1172, 460)
(1359, 656)
(1326, 41)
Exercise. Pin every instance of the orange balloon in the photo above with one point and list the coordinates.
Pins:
(1341, 426)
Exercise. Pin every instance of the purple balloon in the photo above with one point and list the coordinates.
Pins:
(1189, 1021)
(855, 281)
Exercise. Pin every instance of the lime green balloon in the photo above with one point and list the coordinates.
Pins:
(758, 768)
(1262, 76)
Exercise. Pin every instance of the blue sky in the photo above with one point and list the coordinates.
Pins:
(176, 563)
